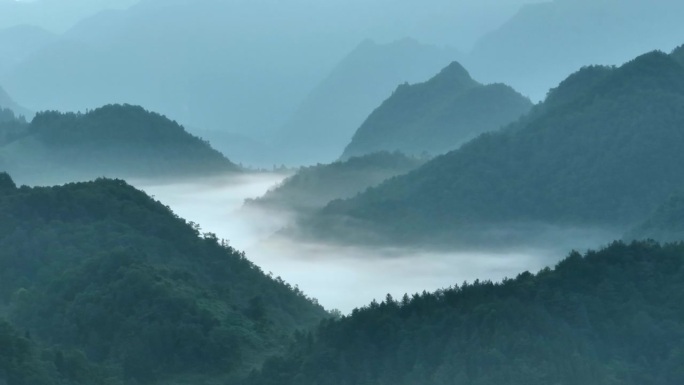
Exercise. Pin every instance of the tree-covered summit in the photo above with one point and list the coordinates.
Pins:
(101, 270)
(114, 140)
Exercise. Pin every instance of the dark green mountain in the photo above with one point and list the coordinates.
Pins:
(115, 140)
(665, 225)
(102, 269)
(437, 116)
(678, 54)
(313, 187)
(603, 150)
(609, 317)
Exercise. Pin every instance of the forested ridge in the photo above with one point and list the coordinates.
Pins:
(612, 316)
(114, 140)
(314, 186)
(604, 149)
(104, 274)
(437, 116)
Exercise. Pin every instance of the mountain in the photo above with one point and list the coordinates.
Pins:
(313, 187)
(6, 102)
(544, 42)
(678, 54)
(357, 85)
(609, 317)
(20, 42)
(602, 150)
(666, 224)
(54, 15)
(437, 116)
(105, 271)
(114, 140)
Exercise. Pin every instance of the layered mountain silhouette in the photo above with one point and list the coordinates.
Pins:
(116, 289)
(313, 187)
(114, 140)
(602, 150)
(6, 102)
(332, 112)
(437, 116)
(544, 42)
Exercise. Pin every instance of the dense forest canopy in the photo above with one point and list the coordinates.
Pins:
(102, 270)
(604, 149)
(114, 140)
(612, 316)
(437, 116)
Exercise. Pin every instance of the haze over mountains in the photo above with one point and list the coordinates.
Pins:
(602, 150)
(437, 116)
(358, 84)
(544, 42)
(445, 179)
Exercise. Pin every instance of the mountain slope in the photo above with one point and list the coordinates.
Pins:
(114, 140)
(544, 42)
(610, 317)
(20, 42)
(602, 150)
(437, 116)
(358, 84)
(313, 187)
(666, 224)
(102, 268)
(6, 102)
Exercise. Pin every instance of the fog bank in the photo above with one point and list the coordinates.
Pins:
(339, 277)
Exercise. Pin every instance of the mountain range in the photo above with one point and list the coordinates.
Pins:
(602, 150)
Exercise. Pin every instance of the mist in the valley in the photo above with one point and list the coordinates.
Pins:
(344, 277)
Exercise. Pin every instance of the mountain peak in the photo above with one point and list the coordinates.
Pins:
(454, 75)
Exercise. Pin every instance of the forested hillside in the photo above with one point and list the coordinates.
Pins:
(103, 272)
(313, 187)
(114, 140)
(437, 116)
(612, 316)
(604, 149)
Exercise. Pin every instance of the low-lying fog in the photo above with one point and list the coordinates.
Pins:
(339, 277)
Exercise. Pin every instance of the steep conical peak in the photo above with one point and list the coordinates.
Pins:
(454, 75)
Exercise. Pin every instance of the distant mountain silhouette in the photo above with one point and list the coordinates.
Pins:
(603, 150)
(20, 42)
(328, 117)
(544, 42)
(7, 102)
(437, 116)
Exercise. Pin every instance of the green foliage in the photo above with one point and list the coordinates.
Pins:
(103, 269)
(610, 317)
(114, 140)
(313, 187)
(437, 116)
(603, 150)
